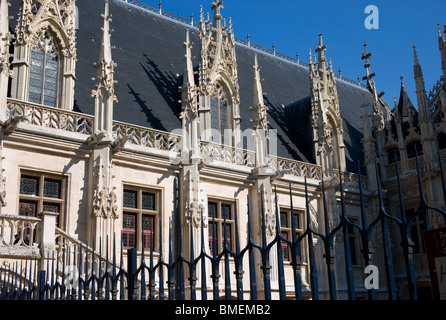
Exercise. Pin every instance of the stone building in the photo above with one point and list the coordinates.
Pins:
(111, 134)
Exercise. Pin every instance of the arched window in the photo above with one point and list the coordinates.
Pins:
(43, 73)
(219, 115)
(414, 148)
(393, 155)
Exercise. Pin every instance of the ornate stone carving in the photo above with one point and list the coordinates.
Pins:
(55, 16)
(104, 197)
(218, 70)
(326, 119)
(2, 189)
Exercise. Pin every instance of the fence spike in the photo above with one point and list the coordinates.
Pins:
(204, 293)
(238, 258)
(313, 270)
(347, 249)
(295, 249)
(387, 252)
(252, 270)
(282, 289)
(161, 263)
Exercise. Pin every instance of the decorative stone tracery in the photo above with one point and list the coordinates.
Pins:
(57, 20)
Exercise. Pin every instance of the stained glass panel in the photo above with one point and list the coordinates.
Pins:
(50, 207)
(29, 185)
(27, 208)
(128, 221)
(147, 223)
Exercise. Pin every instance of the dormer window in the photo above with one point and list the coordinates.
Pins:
(43, 73)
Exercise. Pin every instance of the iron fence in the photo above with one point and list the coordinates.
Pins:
(107, 278)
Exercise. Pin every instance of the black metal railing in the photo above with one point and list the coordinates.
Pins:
(175, 277)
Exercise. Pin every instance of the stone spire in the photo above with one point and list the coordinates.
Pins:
(423, 108)
(104, 216)
(322, 60)
(328, 134)
(442, 47)
(104, 92)
(216, 7)
(5, 38)
(189, 114)
(189, 87)
(405, 106)
(218, 79)
(369, 77)
(259, 117)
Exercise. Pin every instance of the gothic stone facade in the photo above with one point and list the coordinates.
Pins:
(96, 143)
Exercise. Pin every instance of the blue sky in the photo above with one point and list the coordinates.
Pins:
(294, 26)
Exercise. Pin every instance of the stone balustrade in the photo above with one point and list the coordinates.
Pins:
(49, 117)
(19, 236)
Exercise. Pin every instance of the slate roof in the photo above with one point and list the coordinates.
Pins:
(150, 57)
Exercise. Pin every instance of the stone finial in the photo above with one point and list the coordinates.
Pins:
(104, 92)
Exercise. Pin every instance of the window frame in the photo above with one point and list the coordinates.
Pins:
(38, 47)
(40, 200)
(139, 212)
(355, 242)
(286, 231)
(216, 113)
(219, 226)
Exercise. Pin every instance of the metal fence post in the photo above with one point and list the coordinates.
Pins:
(132, 287)
(42, 284)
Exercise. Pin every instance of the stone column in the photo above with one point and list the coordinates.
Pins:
(47, 234)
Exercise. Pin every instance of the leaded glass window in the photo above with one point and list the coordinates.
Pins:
(283, 220)
(130, 199)
(51, 188)
(139, 218)
(148, 201)
(128, 230)
(220, 212)
(29, 185)
(286, 229)
(43, 72)
(147, 231)
(28, 208)
(219, 115)
(41, 192)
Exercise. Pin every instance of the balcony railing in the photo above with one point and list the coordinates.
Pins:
(296, 168)
(19, 236)
(49, 117)
(146, 137)
(74, 122)
(211, 152)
